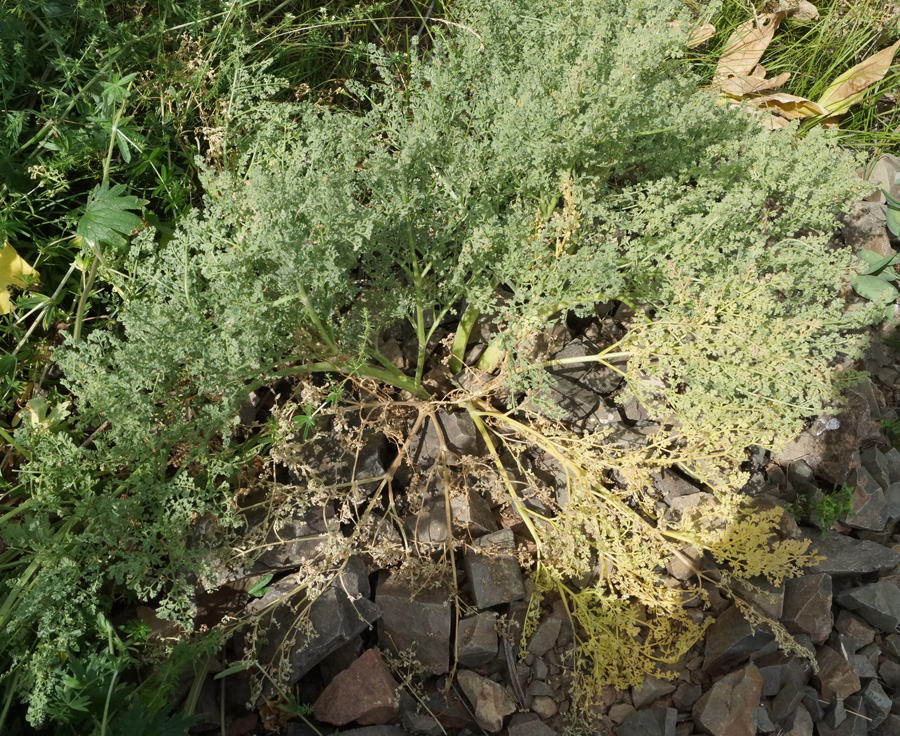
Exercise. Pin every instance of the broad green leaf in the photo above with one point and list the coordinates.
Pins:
(892, 201)
(873, 288)
(259, 587)
(878, 265)
(122, 143)
(893, 220)
(106, 218)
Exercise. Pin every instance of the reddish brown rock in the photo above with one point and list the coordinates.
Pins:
(835, 677)
(365, 692)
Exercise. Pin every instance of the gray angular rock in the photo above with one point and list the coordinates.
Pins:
(686, 694)
(730, 641)
(875, 462)
(545, 636)
(672, 485)
(649, 690)
(470, 514)
(579, 405)
(437, 711)
(884, 174)
(476, 639)
(652, 721)
(763, 722)
(802, 723)
(429, 525)
(862, 666)
(878, 704)
(870, 509)
(892, 461)
(889, 727)
(786, 702)
(832, 454)
(489, 699)
(863, 228)
(454, 431)
(855, 724)
(493, 571)
(857, 631)
(779, 668)
(528, 724)
(846, 556)
(763, 595)
(728, 707)
(338, 615)
(545, 706)
(835, 677)
(420, 622)
(892, 503)
(891, 645)
(889, 672)
(877, 603)
(325, 458)
(807, 606)
(620, 712)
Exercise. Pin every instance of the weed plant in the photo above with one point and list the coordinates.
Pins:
(541, 159)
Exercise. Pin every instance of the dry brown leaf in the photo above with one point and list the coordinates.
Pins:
(848, 88)
(774, 122)
(746, 46)
(801, 10)
(701, 34)
(742, 86)
(789, 106)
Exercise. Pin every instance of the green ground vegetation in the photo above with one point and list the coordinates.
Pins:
(220, 195)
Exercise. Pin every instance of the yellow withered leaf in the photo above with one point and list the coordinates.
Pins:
(789, 106)
(746, 46)
(12, 268)
(848, 88)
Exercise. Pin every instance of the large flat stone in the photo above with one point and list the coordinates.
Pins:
(870, 508)
(846, 556)
(493, 569)
(489, 699)
(730, 641)
(836, 677)
(807, 606)
(877, 603)
(653, 721)
(728, 707)
(418, 621)
(365, 692)
(338, 615)
(476, 639)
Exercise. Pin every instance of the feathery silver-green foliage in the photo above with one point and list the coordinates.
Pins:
(455, 180)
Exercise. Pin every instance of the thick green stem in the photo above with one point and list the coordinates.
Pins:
(420, 309)
(392, 377)
(324, 333)
(85, 292)
(461, 338)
